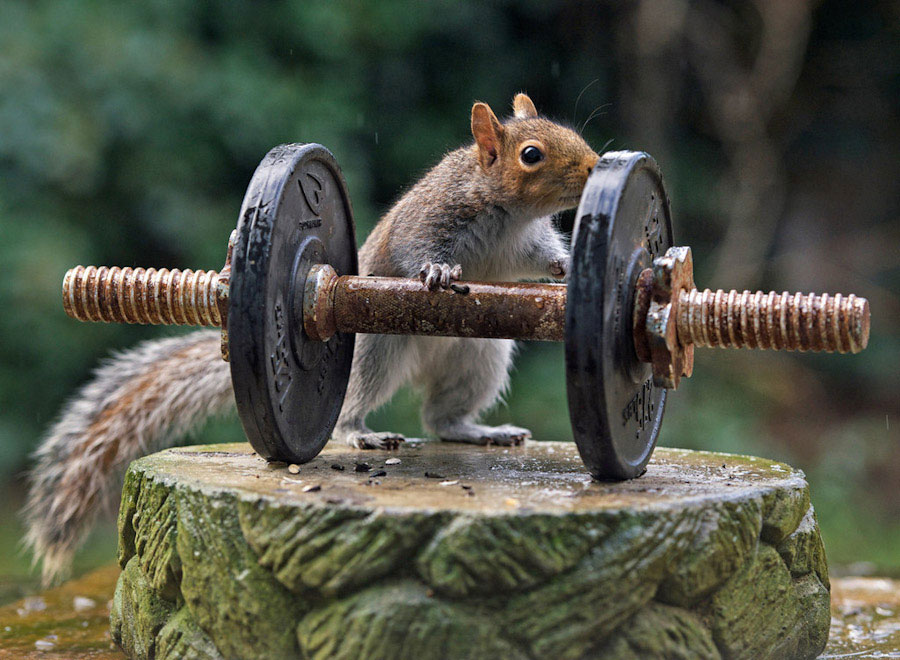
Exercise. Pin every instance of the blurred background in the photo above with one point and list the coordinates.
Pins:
(129, 131)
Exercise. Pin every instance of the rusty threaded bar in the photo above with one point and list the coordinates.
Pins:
(518, 310)
(786, 321)
(136, 295)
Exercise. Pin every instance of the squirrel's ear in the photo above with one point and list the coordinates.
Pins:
(523, 107)
(488, 132)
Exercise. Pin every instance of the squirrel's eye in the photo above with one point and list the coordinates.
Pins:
(532, 155)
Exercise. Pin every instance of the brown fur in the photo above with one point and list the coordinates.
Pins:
(139, 402)
(444, 210)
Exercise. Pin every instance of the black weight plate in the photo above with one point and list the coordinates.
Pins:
(288, 388)
(623, 222)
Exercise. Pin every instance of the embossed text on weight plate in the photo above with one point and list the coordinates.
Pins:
(310, 224)
(331, 347)
(281, 369)
(640, 408)
(653, 232)
(312, 186)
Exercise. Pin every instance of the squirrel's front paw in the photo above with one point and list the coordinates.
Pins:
(434, 275)
(559, 268)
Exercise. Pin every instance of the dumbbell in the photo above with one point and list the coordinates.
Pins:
(289, 301)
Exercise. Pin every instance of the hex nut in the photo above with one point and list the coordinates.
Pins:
(672, 274)
(223, 288)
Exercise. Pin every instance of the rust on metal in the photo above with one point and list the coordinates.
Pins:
(671, 317)
(785, 321)
(672, 274)
(129, 295)
(318, 302)
(384, 305)
(642, 291)
(223, 286)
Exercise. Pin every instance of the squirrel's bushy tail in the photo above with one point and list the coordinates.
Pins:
(138, 402)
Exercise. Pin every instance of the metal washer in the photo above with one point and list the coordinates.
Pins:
(288, 388)
(623, 222)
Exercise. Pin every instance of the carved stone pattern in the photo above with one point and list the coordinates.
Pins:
(706, 556)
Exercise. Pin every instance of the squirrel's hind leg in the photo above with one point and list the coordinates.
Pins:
(470, 378)
(381, 364)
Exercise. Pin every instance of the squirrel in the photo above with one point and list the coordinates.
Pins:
(484, 210)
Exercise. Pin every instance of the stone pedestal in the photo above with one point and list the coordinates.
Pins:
(466, 552)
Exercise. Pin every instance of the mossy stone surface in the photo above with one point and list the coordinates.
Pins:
(476, 554)
(564, 617)
(727, 534)
(147, 530)
(761, 612)
(401, 620)
(182, 639)
(865, 623)
(331, 550)
(802, 550)
(662, 631)
(138, 613)
(237, 601)
(467, 552)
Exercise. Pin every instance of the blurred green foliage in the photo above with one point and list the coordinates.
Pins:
(128, 132)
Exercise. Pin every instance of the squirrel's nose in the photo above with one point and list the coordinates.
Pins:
(591, 162)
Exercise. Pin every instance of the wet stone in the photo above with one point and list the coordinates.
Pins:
(761, 612)
(661, 631)
(802, 550)
(865, 623)
(461, 551)
(149, 513)
(138, 613)
(401, 620)
(240, 604)
(726, 536)
(182, 639)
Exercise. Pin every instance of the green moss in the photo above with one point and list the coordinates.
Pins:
(489, 554)
(661, 632)
(182, 639)
(154, 537)
(330, 549)
(400, 621)
(127, 509)
(814, 604)
(803, 551)
(572, 613)
(761, 613)
(783, 509)
(137, 613)
(245, 610)
(727, 534)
